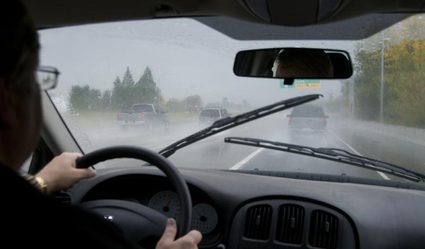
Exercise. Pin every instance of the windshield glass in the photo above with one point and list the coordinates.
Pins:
(183, 66)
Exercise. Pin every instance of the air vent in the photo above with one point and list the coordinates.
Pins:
(323, 230)
(290, 224)
(257, 222)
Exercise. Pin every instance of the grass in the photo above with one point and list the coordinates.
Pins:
(107, 116)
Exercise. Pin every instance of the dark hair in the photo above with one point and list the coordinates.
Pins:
(314, 61)
(18, 40)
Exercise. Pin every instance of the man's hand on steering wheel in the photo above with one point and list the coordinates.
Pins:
(188, 241)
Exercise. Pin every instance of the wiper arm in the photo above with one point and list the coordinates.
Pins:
(230, 122)
(332, 154)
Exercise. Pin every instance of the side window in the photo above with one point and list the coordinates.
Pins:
(26, 166)
(38, 159)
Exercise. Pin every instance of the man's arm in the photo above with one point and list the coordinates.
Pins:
(59, 174)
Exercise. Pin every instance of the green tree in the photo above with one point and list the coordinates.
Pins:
(105, 102)
(123, 95)
(117, 94)
(76, 99)
(84, 98)
(146, 90)
(193, 103)
(94, 97)
(175, 105)
(127, 79)
(403, 78)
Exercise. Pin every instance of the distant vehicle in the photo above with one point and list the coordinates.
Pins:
(308, 118)
(210, 115)
(143, 114)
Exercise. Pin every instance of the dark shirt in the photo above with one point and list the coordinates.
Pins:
(29, 219)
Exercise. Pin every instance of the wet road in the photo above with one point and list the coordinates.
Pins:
(214, 153)
(217, 154)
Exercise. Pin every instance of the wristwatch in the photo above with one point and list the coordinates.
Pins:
(41, 184)
(37, 182)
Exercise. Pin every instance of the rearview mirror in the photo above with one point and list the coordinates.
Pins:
(294, 63)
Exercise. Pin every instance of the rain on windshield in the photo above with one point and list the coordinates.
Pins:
(177, 69)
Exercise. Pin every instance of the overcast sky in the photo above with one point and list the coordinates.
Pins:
(185, 56)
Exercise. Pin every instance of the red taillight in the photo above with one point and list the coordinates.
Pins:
(290, 121)
(142, 115)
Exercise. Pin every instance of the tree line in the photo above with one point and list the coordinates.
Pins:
(125, 92)
(404, 75)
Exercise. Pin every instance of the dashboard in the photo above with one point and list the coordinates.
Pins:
(157, 193)
(243, 211)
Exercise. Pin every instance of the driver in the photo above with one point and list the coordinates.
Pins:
(29, 218)
(295, 63)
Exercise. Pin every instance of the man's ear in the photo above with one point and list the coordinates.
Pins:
(7, 105)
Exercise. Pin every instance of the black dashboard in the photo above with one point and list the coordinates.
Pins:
(157, 193)
(237, 210)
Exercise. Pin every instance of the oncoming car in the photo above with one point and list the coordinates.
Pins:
(243, 181)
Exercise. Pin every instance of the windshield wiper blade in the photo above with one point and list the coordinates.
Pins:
(333, 154)
(230, 122)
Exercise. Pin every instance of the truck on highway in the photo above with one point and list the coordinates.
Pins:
(145, 114)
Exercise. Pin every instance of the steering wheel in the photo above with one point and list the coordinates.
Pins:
(139, 223)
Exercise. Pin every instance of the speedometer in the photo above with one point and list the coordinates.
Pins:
(204, 218)
(167, 203)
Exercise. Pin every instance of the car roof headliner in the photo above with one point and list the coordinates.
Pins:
(351, 29)
(352, 20)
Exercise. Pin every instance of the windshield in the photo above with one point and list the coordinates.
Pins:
(183, 66)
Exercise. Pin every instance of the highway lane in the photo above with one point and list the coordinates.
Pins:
(214, 153)
(271, 160)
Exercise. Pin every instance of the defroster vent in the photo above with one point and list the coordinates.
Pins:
(258, 222)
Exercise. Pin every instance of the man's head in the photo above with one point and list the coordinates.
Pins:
(294, 63)
(20, 111)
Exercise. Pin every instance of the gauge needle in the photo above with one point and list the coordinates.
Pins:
(167, 206)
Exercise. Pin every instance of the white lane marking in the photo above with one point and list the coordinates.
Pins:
(383, 175)
(346, 144)
(241, 163)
